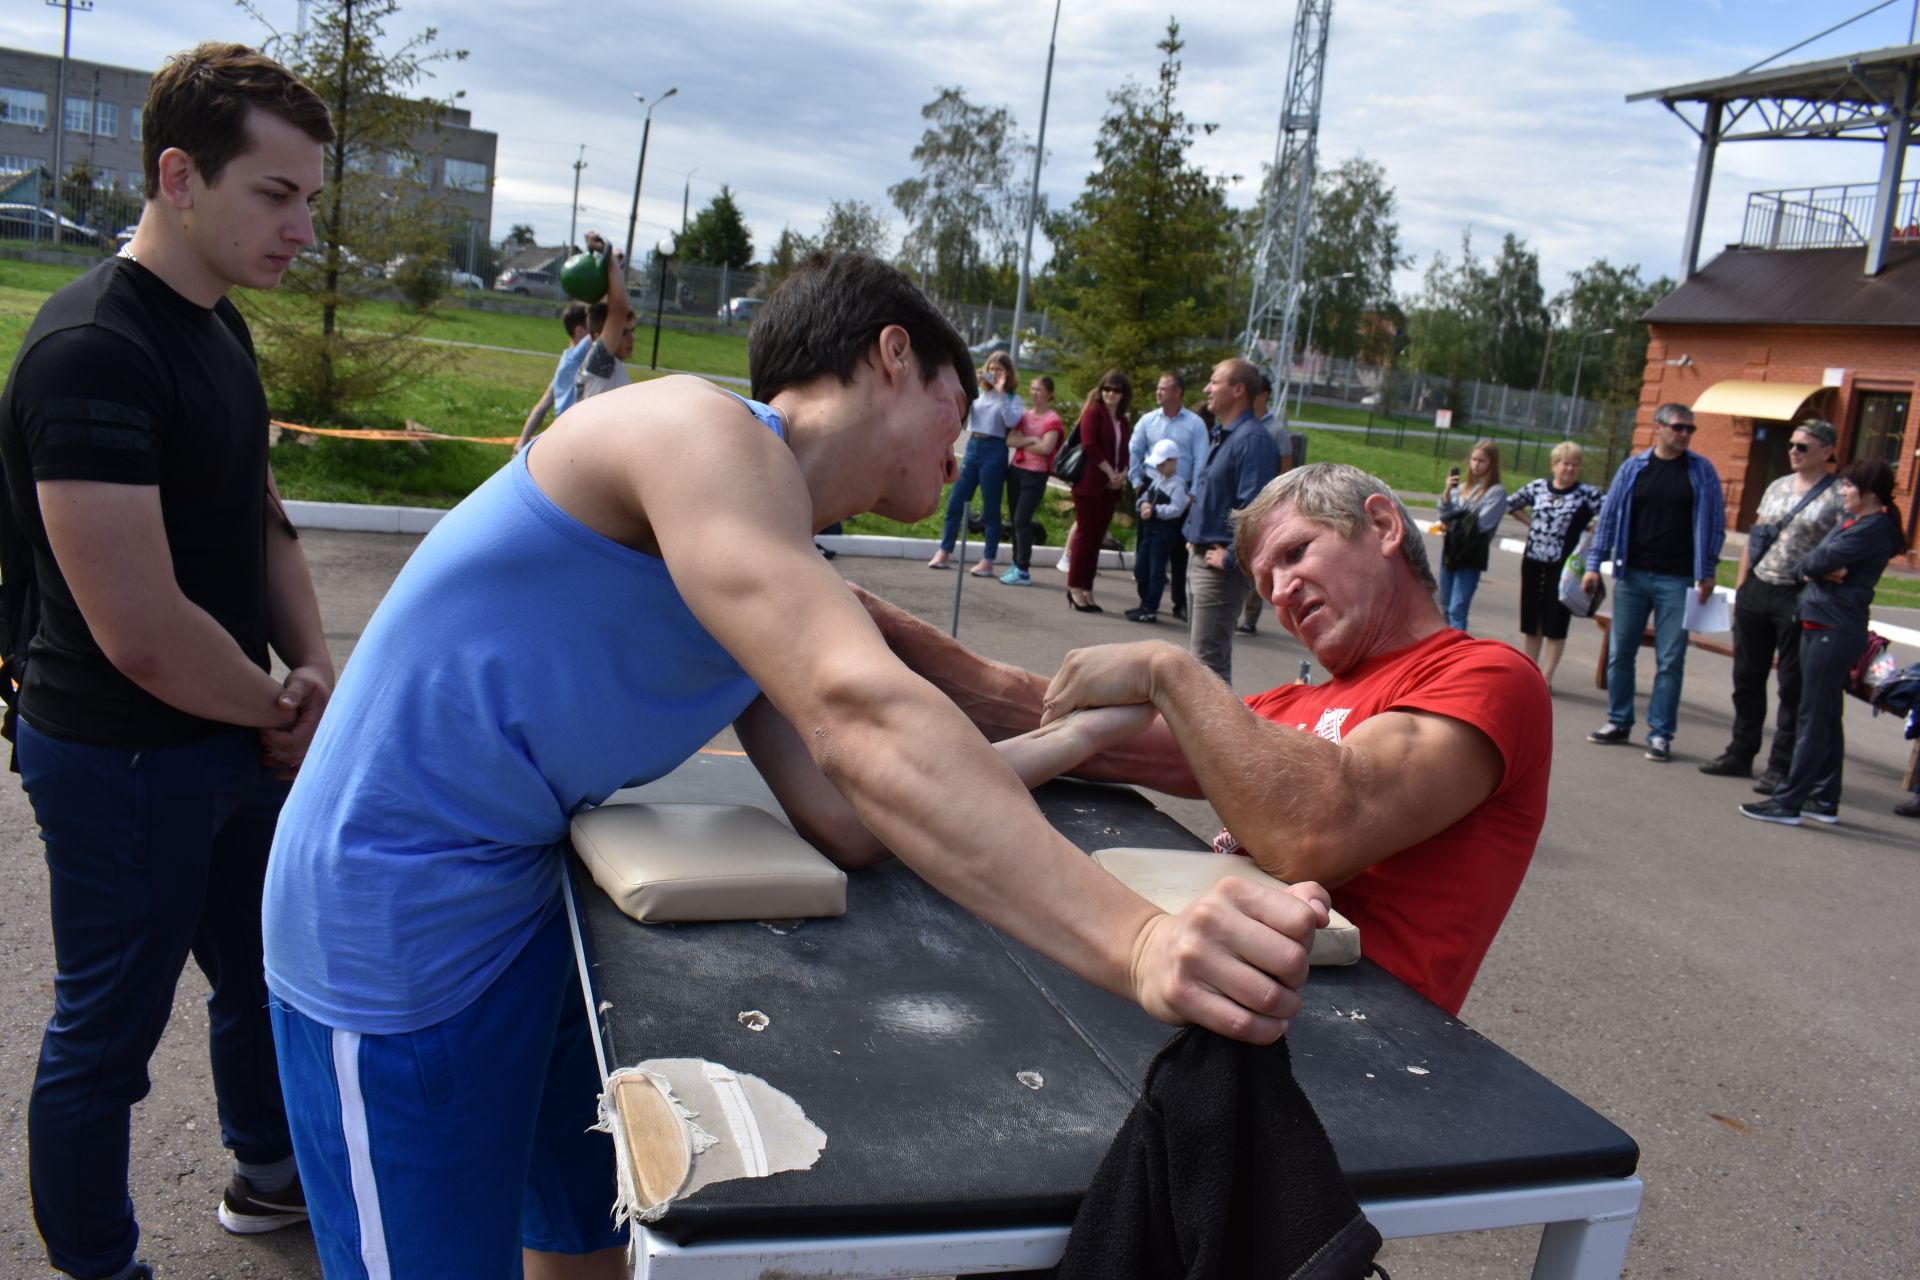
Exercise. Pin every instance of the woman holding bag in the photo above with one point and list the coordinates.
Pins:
(1103, 442)
(1471, 514)
(1559, 511)
(1840, 573)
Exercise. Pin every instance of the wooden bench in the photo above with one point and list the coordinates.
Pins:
(1604, 620)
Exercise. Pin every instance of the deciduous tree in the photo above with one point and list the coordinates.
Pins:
(718, 235)
(959, 207)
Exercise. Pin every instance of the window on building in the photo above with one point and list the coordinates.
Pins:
(23, 106)
(106, 180)
(135, 135)
(465, 175)
(18, 164)
(106, 120)
(79, 115)
(1882, 429)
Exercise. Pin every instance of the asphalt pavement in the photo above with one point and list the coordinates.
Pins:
(1736, 996)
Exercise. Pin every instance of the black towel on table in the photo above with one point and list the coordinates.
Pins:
(1221, 1171)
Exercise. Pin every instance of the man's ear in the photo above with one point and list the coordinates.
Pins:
(177, 171)
(895, 352)
(1383, 519)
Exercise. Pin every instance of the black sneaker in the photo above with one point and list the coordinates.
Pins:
(1246, 629)
(1659, 748)
(1768, 783)
(1728, 766)
(1821, 811)
(1180, 612)
(1142, 615)
(247, 1212)
(1611, 734)
(1908, 808)
(1772, 811)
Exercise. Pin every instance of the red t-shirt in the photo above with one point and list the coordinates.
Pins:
(1428, 913)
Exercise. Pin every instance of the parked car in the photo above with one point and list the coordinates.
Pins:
(124, 236)
(31, 222)
(465, 280)
(528, 283)
(739, 310)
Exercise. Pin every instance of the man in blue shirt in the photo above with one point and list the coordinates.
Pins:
(558, 397)
(1240, 462)
(1169, 419)
(1662, 525)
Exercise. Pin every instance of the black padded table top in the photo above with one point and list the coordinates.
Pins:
(902, 1030)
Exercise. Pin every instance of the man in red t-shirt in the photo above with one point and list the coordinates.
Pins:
(1413, 783)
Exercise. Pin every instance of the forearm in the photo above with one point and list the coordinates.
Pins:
(900, 754)
(293, 611)
(535, 418)
(190, 663)
(1278, 790)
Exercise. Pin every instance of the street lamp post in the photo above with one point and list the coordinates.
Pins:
(633, 217)
(1033, 199)
(665, 249)
(1577, 362)
(1313, 309)
(686, 193)
(573, 222)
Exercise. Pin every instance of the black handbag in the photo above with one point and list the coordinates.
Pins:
(1070, 460)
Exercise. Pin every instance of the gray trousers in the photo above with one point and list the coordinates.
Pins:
(1214, 597)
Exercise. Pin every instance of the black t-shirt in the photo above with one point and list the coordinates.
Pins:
(1661, 540)
(122, 380)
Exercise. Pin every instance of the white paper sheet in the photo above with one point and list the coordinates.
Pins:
(1711, 616)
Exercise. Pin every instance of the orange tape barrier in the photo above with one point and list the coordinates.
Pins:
(352, 433)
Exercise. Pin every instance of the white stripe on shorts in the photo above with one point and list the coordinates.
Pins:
(353, 1125)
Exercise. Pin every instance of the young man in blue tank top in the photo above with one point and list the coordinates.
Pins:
(637, 579)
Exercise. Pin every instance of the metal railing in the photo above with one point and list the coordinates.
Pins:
(1826, 217)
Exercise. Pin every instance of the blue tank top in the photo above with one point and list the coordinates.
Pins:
(522, 668)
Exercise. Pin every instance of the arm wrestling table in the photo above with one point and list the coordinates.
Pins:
(901, 1029)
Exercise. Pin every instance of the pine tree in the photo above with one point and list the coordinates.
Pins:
(322, 358)
(718, 235)
(1141, 255)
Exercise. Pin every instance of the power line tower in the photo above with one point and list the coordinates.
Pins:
(1280, 255)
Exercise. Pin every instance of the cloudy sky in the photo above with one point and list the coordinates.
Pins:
(1494, 115)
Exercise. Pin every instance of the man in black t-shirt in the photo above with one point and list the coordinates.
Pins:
(133, 435)
(1662, 524)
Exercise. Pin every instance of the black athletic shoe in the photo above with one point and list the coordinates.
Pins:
(1180, 612)
(1772, 811)
(1821, 811)
(1246, 629)
(247, 1212)
(1142, 615)
(1728, 766)
(1610, 734)
(1908, 808)
(1768, 783)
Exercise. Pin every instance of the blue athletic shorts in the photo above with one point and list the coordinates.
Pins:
(444, 1151)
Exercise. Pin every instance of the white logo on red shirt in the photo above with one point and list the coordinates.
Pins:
(1332, 721)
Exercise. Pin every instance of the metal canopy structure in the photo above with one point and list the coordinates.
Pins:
(1282, 251)
(1864, 97)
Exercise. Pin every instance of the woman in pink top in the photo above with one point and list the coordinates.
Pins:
(1034, 442)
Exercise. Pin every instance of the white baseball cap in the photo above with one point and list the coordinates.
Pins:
(1161, 451)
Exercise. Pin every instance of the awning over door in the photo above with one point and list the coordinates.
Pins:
(1772, 401)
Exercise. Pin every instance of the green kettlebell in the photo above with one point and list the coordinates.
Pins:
(584, 276)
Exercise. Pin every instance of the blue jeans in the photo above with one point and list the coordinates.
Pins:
(1456, 594)
(1153, 551)
(1637, 593)
(984, 468)
(152, 853)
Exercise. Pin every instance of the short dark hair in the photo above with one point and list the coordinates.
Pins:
(1266, 384)
(199, 102)
(1178, 381)
(597, 318)
(1870, 475)
(1666, 413)
(826, 316)
(573, 316)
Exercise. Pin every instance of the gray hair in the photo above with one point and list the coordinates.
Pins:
(1335, 495)
(1666, 413)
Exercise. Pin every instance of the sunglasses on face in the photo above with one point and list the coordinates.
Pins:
(1798, 447)
(1680, 426)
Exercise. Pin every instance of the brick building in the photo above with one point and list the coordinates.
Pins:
(102, 131)
(1816, 311)
(1760, 339)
